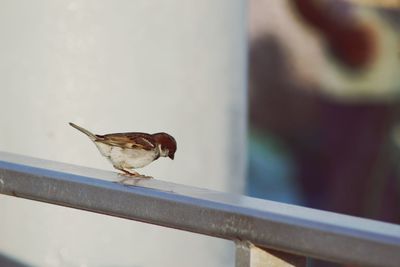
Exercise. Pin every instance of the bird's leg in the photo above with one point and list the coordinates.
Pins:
(131, 173)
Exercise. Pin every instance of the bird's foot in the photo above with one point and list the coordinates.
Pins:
(132, 173)
(131, 177)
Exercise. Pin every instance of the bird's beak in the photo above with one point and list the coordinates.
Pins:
(171, 156)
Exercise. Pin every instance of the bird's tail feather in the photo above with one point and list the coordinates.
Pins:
(88, 133)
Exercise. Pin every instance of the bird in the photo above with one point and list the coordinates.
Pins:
(132, 150)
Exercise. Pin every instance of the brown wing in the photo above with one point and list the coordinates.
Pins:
(129, 140)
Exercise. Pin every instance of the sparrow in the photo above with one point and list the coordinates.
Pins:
(129, 151)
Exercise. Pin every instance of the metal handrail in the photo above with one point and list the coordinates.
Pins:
(293, 229)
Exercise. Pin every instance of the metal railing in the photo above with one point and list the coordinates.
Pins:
(264, 231)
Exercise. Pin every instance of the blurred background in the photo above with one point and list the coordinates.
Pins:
(296, 101)
(324, 84)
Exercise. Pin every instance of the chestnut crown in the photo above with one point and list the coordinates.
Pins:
(167, 144)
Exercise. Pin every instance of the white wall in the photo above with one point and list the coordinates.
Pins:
(112, 66)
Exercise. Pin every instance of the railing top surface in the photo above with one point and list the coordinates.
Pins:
(290, 228)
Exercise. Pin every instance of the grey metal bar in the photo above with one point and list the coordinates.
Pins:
(268, 224)
(242, 254)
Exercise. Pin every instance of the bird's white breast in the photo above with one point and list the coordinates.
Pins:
(127, 157)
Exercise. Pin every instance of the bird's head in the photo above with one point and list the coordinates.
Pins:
(166, 144)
